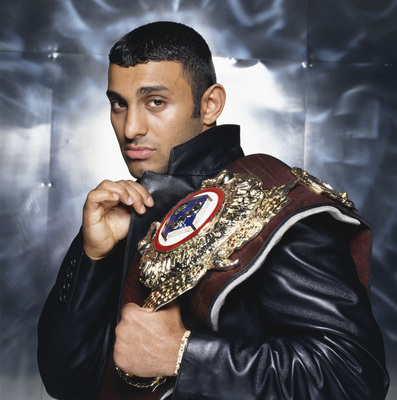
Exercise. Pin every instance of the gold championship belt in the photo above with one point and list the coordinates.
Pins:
(199, 234)
(203, 230)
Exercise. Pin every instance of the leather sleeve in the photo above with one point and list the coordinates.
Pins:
(300, 328)
(77, 319)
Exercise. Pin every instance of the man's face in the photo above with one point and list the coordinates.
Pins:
(151, 112)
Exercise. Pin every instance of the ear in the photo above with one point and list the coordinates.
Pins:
(212, 104)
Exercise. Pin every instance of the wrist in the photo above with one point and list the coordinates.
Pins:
(95, 253)
(92, 252)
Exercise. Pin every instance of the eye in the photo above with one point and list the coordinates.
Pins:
(117, 105)
(156, 103)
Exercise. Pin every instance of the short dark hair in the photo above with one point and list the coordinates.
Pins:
(169, 41)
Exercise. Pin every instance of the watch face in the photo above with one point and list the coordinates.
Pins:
(188, 218)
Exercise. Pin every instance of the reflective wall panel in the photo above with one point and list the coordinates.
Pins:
(311, 82)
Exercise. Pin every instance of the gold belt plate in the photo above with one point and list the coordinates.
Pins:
(203, 230)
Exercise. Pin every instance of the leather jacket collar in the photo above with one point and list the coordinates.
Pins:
(206, 153)
(199, 158)
(203, 156)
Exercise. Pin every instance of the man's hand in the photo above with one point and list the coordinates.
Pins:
(107, 213)
(147, 342)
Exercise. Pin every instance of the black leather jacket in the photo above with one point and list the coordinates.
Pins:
(300, 328)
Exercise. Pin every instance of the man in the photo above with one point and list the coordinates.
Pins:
(292, 322)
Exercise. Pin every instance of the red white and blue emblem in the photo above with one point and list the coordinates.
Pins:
(188, 218)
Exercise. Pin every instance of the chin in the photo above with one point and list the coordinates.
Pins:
(138, 168)
(136, 174)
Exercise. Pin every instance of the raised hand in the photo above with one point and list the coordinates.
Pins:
(107, 212)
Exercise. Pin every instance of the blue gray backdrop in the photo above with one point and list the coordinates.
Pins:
(313, 82)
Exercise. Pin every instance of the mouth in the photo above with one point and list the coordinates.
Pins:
(138, 152)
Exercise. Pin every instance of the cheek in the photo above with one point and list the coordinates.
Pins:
(174, 127)
(179, 124)
(120, 140)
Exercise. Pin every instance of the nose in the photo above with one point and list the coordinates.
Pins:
(135, 124)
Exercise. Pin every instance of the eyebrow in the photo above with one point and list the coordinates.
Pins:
(151, 89)
(139, 92)
(112, 94)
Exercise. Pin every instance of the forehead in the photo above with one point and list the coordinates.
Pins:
(168, 74)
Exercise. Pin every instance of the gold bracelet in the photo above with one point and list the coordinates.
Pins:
(138, 382)
(185, 338)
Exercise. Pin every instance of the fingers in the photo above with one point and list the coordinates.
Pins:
(173, 306)
(135, 195)
(109, 193)
(106, 219)
(170, 313)
(127, 307)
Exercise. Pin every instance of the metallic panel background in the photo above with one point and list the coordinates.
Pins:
(311, 82)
